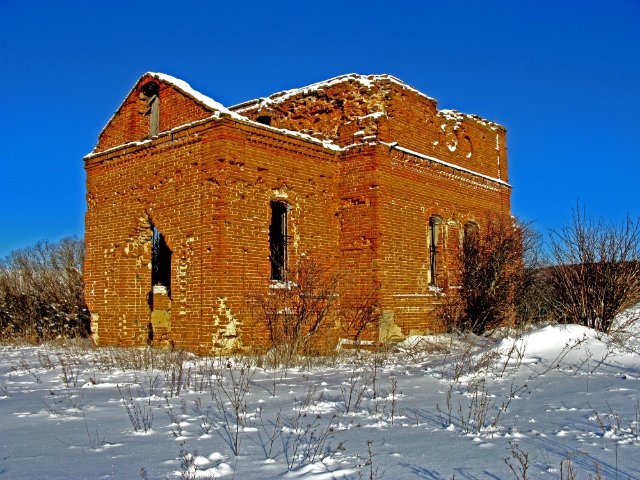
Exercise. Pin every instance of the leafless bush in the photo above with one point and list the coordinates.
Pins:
(207, 415)
(189, 469)
(393, 393)
(518, 463)
(296, 310)
(471, 359)
(302, 437)
(140, 416)
(171, 371)
(96, 440)
(491, 262)
(480, 413)
(41, 291)
(140, 359)
(596, 272)
(175, 373)
(65, 402)
(23, 365)
(530, 298)
(269, 433)
(354, 388)
(307, 439)
(368, 470)
(612, 424)
(176, 420)
(228, 391)
(70, 369)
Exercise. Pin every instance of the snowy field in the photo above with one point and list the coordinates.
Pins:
(558, 397)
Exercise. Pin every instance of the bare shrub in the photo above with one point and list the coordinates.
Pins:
(354, 388)
(41, 292)
(302, 437)
(518, 463)
(140, 415)
(596, 272)
(228, 391)
(614, 424)
(296, 310)
(368, 469)
(96, 440)
(480, 413)
(491, 262)
(307, 439)
(269, 432)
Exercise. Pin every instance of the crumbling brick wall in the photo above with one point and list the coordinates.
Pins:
(208, 189)
(356, 109)
(360, 204)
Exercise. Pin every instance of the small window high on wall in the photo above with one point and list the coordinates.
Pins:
(435, 224)
(160, 260)
(151, 92)
(278, 241)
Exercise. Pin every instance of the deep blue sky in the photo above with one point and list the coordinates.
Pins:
(563, 77)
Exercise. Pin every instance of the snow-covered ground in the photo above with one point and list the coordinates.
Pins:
(434, 408)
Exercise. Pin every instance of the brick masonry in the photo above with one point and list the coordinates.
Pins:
(363, 163)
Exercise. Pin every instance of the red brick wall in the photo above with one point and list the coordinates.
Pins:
(363, 211)
(412, 190)
(208, 190)
(341, 111)
(470, 142)
(131, 124)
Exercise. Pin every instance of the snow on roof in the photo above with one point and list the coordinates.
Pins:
(365, 80)
(185, 88)
(216, 115)
(459, 117)
(212, 104)
(220, 110)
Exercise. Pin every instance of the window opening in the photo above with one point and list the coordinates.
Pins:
(278, 241)
(151, 91)
(264, 119)
(471, 231)
(434, 233)
(160, 260)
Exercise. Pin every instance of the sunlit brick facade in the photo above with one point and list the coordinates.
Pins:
(364, 170)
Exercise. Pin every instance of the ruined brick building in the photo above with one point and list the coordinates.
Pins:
(192, 206)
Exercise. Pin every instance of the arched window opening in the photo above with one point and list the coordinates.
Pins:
(434, 242)
(151, 92)
(278, 241)
(471, 231)
(160, 260)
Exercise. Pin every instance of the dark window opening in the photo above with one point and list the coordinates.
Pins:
(160, 260)
(471, 231)
(278, 241)
(151, 92)
(434, 234)
(264, 119)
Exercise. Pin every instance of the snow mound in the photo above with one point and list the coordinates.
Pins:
(548, 342)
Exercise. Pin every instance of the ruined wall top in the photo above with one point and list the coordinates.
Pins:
(340, 112)
(354, 109)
